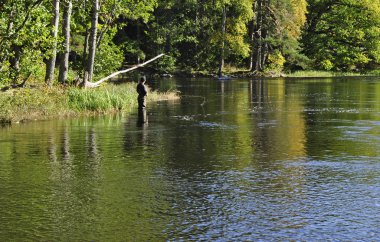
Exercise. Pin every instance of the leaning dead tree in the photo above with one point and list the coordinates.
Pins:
(96, 84)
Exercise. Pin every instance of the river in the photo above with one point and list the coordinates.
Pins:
(237, 160)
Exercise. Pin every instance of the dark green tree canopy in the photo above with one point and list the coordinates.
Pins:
(196, 35)
(343, 34)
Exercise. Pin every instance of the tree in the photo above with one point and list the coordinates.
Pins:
(343, 35)
(21, 36)
(235, 18)
(50, 65)
(202, 34)
(92, 42)
(257, 37)
(64, 65)
(276, 30)
(107, 18)
(222, 44)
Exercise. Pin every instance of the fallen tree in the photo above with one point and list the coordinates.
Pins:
(96, 84)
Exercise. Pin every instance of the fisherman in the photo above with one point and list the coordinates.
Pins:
(142, 91)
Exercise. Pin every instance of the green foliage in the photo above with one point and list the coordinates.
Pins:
(326, 65)
(191, 32)
(108, 58)
(276, 62)
(342, 35)
(287, 20)
(133, 50)
(346, 33)
(238, 14)
(32, 64)
(5, 73)
(23, 39)
(132, 9)
(373, 72)
(166, 64)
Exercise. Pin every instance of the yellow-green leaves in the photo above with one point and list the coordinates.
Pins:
(346, 33)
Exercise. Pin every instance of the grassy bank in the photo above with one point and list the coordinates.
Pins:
(330, 74)
(41, 102)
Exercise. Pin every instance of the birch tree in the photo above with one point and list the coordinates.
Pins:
(64, 64)
(50, 65)
(92, 42)
(222, 45)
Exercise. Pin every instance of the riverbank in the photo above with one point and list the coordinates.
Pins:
(321, 74)
(40, 102)
(243, 73)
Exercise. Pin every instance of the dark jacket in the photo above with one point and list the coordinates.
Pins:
(141, 90)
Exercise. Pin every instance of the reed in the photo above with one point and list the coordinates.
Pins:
(41, 102)
(111, 98)
(103, 99)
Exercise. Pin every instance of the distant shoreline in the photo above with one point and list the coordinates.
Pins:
(249, 74)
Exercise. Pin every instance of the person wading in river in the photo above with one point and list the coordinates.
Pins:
(142, 91)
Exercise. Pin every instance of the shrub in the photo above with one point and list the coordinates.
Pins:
(326, 65)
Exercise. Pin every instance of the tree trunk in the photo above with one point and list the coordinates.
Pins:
(15, 63)
(85, 43)
(49, 77)
(168, 43)
(84, 53)
(221, 61)
(265, 33)
(92, 42)
(138, 39)
(64, 65)
(265, 54)
(258, 34)
(252, 39)
(199, 26)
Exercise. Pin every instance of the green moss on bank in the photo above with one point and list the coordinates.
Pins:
(41, 102)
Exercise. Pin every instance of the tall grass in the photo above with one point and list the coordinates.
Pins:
(374, 72)
(30, 104)
(42, 102)
(111, 98)
(103, 99)
(329, 74)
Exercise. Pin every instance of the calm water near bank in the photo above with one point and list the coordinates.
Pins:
(295, 159)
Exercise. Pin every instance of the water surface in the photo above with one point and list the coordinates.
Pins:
(234, 160)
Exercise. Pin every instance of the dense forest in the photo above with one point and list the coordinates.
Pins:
(62, 41)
